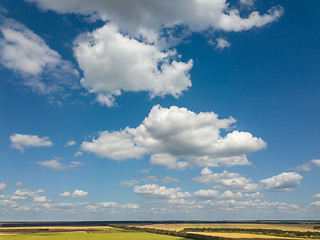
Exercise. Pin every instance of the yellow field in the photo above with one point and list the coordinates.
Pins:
(246, 235)
(284, 227)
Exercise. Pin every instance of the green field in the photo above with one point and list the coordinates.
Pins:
(114, 234)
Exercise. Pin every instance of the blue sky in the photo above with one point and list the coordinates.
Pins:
(148, 110)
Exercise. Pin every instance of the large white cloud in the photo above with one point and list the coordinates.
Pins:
(137, 15)
(227, 180)
(22, 141)
(173, 134)
(112, 62)
(26, 53)
(156, 191)
(282, 182)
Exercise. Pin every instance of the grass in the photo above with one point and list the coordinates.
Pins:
(113, 234)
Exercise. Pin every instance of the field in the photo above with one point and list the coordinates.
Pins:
(284, 227)
(81, 233)
(245, 236)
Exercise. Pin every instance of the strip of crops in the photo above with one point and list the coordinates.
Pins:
(271, 232)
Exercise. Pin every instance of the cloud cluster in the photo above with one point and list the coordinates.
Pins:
(27, 54)
(133, 50)
(177, 138)
(162, 192)
(75, 194)
(112, 205)
(282, 182)
(227, 180)
(22, 141)
(22, 194)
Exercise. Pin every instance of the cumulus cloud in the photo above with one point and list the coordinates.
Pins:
(21, 141)
(162, 192)
(178, 138)
(227, 180)
(282, 182)
(113, 62)
(22, 194)
(27, 54)
(207, 194)
(55, 164)
(112, 205)
(222, 43)
(152, 15)
(65, 194)
(79, 194)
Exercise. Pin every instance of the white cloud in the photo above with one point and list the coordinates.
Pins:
(70, 143)
(231, 195)
(227, 180)
(282, 182)
(55, 164)
(168, 160)
(21, 141)
(65, 194)
(316, 162)
(304, 167)
(22, 194)
(113, 62)
(317, 203)
(79, 194)
(40, 199)
(2, 186)
(27, 54)
(222, 43)
(156, 191)
(207, 194)
(130, 183)
(112, 205)
(316, 195)
(177, 133)
(152, 14)
(115, 145)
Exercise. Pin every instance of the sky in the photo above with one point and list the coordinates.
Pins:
(159, 110)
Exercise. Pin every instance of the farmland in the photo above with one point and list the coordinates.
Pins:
(81, 233)
(159, 231)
